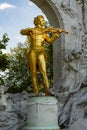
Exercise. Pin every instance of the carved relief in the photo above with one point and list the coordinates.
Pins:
(74, 108)
(79, 2)
(83, 5)
(72, 79)
(3, 102)
(15, 115)
(85, 15)
(84, 50)
(66, 6)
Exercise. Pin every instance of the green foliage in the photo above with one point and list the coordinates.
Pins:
(3, 42)
(18, 76)
(1, 80)
(3, 57)
(3, 61)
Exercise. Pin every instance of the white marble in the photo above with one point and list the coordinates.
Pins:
(42, 113)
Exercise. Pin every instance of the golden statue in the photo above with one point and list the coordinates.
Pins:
(36, 53)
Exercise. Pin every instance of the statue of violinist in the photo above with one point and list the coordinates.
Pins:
(36, 53)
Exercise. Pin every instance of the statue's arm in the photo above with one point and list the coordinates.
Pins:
(73, 67)
(26, 31)
(52, 39)
(55, 30)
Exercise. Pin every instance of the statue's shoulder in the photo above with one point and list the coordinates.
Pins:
(30, 29)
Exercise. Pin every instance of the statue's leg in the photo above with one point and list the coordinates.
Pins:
(42, 67)
(32, 65)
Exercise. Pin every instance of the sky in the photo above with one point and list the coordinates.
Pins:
(14, 16)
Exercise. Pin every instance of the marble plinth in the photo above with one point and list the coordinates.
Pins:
(42, 113)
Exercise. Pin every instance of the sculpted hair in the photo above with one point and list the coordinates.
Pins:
(36, 19)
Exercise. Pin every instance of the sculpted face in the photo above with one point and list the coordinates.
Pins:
(42, 22)
(39, 21)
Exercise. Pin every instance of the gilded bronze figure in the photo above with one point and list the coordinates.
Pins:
(36, 53)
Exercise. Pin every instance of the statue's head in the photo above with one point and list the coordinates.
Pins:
(76, 53)
(70, 57)
(39, 20)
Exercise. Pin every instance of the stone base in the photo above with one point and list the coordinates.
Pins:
(42, 113)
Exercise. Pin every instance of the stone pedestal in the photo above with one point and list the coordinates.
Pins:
(3, 102)
(42, 113)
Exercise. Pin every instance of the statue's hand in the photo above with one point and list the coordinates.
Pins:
(61, 30)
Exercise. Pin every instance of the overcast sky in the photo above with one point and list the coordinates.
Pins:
(15, 15)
